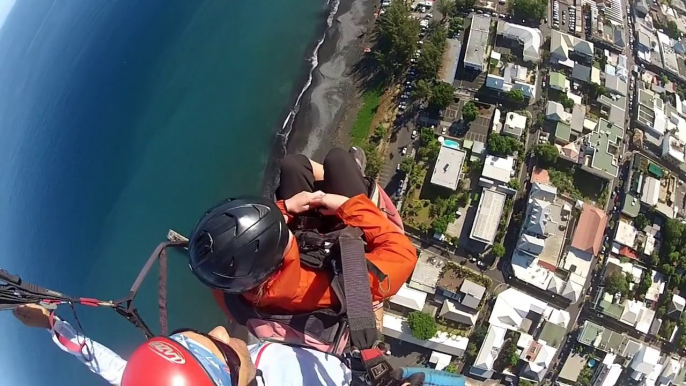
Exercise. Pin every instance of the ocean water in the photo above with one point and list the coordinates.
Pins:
(118, 121)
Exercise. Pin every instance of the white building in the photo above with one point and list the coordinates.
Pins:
(530, 39)
(448, 167)
(556, 112)
(626, 234)
(409, 298)
(497, 171)
(507, 83)
(515, 124)
(477, 44)
(510, 313)
(488, 216)
(644, 362)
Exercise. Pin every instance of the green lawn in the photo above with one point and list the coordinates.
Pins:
(370, 103)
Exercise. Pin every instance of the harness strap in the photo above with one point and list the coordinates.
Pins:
(358, 295)
(358, 300)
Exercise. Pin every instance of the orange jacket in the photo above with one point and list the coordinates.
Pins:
(295, 289)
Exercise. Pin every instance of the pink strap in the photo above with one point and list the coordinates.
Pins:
(259, 355)
(68, 344)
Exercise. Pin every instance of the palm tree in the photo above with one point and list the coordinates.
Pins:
(446, 8)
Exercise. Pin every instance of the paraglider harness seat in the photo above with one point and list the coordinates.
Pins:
(341, 253)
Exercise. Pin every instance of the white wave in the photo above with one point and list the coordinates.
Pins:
(287, 126)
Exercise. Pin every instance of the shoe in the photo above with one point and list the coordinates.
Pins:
(360, 157)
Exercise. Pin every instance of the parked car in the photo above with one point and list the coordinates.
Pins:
(403, 151)
(414, 134)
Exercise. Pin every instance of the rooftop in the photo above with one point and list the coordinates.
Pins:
(578, 264)
(563, 132)
(498, 169)
(597, 336)
(409, 298)
(572, 367)
(514, 124)
(588, 234)
(540, 176)
(557, 80)
(616, 84)
(605, 143)
(450, 61)
(582, 73)
(651, 191)
(488, 216)
(631, 206)
(556, 112)
(553, 334)
(473, 293)
(626, 234)
(448, 167)
(562, 43)
(426, 273)
(530, 38)
(511, 308)
(452, 311)
(488, 353)
(669, 58)
(477, 43)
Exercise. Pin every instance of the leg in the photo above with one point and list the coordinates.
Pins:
(296, 176)
(342, 175)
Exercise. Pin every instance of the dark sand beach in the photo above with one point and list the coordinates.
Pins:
(330, 104)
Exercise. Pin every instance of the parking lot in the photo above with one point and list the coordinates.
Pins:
(478, 129)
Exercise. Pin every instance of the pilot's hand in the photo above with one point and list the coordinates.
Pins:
(33, 315)
(328, 204)
(301, 202)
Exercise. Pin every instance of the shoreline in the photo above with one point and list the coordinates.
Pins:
(279, 146)
(314, 125)
(335, 90)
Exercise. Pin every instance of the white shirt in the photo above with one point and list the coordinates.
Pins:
(280, 364)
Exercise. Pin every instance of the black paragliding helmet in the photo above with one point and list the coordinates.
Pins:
(238, 244)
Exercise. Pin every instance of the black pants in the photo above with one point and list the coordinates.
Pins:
(341, 176)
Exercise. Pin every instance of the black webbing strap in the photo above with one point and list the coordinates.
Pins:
(125, 306)
(358, 298)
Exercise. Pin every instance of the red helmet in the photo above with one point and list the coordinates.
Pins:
(163, 362)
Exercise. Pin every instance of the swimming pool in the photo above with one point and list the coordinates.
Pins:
(451, 144)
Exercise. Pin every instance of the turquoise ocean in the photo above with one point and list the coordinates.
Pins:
(118, 121)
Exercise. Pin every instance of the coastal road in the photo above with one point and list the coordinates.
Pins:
(389, 177)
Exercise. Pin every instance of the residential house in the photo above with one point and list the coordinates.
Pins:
(516, 311)
(515, 124)
(644, 362)
(558, 82)
(497, 171)
(676, 307)
(566, 49)
(529, 38)
(556, 112)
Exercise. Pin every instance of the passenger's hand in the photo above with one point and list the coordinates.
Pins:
(247, 371)
(328, 204)
(301, 202)
(33, 315)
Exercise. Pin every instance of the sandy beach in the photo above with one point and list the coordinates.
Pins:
(330, 104)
